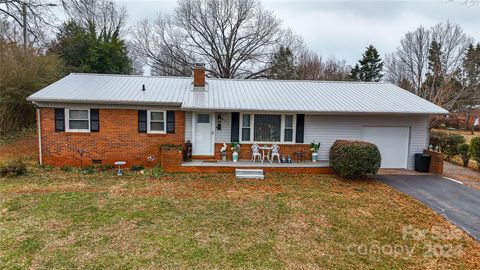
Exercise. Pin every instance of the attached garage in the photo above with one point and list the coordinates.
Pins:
(393, 143)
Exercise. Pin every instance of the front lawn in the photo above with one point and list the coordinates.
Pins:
(55, 219)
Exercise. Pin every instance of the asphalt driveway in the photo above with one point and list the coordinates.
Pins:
(456, 202)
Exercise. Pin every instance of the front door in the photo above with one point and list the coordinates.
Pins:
(203, 134)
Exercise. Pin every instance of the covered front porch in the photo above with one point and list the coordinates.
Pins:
(207, 165)
(250, 164)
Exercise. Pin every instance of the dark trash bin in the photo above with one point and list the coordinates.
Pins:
(422, 162)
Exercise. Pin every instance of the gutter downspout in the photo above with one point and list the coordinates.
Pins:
(39, 128)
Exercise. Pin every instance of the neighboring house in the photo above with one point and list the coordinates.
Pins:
(122, 117)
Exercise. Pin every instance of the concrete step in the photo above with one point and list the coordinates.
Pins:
(249, 173)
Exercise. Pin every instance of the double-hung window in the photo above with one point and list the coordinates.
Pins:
(267, 128)
(288, 128)
(156, 122)
(246, 127)
(78, 120)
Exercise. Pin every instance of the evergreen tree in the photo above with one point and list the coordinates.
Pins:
(369, 68)
(282, 66)
(435, 74)
(355, 73)
(471, 65)
(82, 49)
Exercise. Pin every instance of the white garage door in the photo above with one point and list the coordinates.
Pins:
(392, 142)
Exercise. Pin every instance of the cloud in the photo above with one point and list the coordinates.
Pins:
(344, 28)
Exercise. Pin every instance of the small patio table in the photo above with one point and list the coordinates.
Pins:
(268, 149)
(300, 155)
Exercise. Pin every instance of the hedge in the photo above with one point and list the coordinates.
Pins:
(464, 152)
(354, 159)
(475, 149)
(438, 140)
(451, 145)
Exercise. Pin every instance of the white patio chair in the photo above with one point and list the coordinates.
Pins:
(275, 153)
(256, 153)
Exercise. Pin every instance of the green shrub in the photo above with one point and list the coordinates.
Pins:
(105, 167)
(87, 170)
(47, 168)
(475, 149)
(171, 146)
(12, 168)
(353, 159)
(438, 140)
(451, 145)
(136, 168)
(66, 168)
(155, 172)
(464, 152)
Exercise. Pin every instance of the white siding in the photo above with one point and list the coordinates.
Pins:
(327, 129)
(223, 135)
(188, 126)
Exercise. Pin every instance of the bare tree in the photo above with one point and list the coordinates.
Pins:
(311, 66)
(35, 17)
(107, 16)
(235, 38)
(409, 66)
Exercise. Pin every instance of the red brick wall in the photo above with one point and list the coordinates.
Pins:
(171, 160)
(118, 139)
(246, 150)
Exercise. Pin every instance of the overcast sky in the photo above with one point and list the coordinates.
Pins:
(345, 28)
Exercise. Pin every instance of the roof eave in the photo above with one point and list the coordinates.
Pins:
(104, 102)
(444, 112)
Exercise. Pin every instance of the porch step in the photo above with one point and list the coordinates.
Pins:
(249, 173)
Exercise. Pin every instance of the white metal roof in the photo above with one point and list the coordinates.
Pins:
(238, 94)
(120, 89)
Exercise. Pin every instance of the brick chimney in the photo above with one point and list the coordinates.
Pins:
(199, 74)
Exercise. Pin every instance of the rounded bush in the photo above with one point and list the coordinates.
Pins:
(12, 168)
(475, 149)
(438, 140)
(353, 159)
(464, 152)
(451, 145)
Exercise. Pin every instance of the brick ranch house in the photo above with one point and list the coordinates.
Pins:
(128, 118)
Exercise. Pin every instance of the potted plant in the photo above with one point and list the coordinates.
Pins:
(223, 152)
(235, 147)
(314, 148)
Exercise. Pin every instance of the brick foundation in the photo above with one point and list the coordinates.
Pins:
(171, 160)
(118, 139)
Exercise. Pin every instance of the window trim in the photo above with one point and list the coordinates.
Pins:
(67, 120)
(282, 129)
(294, 124)
(149, 122)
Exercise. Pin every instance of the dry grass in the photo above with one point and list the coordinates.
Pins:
(23, 143)
(67, 220)
(54, 219)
